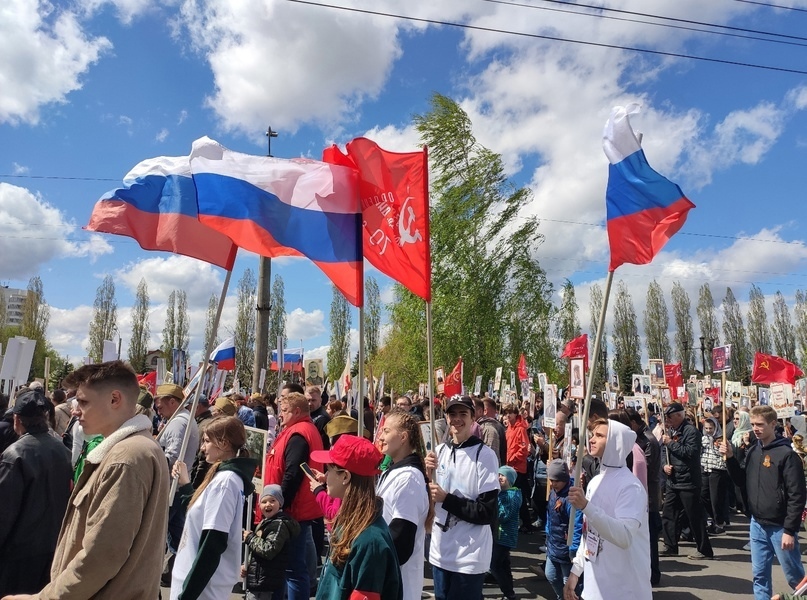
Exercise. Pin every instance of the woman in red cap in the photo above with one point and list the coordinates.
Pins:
(362, 562)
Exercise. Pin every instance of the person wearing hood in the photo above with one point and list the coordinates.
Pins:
(208, 561)
(518, 449)
(774, 480)
(714, 477)
(404, 489)
(615, 551)
(465, 490)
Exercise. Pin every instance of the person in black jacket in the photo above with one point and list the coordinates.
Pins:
(774, 479)
(682, 443)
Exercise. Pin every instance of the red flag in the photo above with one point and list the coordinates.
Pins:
(395, 210)
(773, 369)
(674, 375)
(149, 380)
(453, 383)
(576, 348)
(522, 369)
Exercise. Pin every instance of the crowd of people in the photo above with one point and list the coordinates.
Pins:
(362, 504)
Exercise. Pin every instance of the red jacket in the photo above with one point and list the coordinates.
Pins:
(304, 507)
(518, 445)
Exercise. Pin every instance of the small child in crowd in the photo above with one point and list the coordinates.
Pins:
(558, 554)
(509, 502)
(715, 478)
(268, 547)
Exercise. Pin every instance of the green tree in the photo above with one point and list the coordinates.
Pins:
(245, 325)
(707, 323)
(35, 319)
(783, 332)
(684, 339)
(277, 327)
(372, 324)
(170, 326)
(657, 323)
(567, 326)
(759, 334)
(138, 345)
(340, 335)
(104, 323)
(800, 314)
(182, 321)
(210, 320)
(595, 308)
(627, 346)
(734, 334)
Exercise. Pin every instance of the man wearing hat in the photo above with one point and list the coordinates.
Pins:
(683, 445)
(35, 476)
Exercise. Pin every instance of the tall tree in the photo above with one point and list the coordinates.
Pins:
(245, 325)
(734, 334)
(595, 308)
(759, 334)
(782, 330)
(657, 323)
(170, 325)
(138, 345)
(372, 325)
(182, 321)
(800, 313)
(210, 320)
(684, 338)
(277, 327)
(35, 319)
(627, 346)
(340, 335)
(177, 326)
(104, 323)
(3, 313)
(707, 324)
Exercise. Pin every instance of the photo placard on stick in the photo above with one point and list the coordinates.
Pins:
(721, 359)
(497, 380)
(256, 445)
(550, 405)
(657, 372)
(577, 378)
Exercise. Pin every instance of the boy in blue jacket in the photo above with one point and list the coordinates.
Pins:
(506, 537)
(558, 554)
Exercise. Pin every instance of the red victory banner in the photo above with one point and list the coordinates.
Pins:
(773, 369)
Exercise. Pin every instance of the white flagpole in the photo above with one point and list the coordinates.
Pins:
(360, 401)
(592, 365)
(430, 365)
(208, 350)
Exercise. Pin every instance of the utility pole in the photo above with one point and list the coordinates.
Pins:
(264, 302)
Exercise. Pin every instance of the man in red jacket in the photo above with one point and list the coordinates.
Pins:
(293, 446)
(518, 449)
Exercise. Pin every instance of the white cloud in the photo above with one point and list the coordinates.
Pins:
(19, 169)
(183, 115)
(32, 232)
(164, 275)
(43, 54)
(127, 10)
(301, 325)
(161, 135)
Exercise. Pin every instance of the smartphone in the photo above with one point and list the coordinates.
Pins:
(307, 470)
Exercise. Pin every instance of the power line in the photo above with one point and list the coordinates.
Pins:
(778, 6)
(554, 38)
(58, 177)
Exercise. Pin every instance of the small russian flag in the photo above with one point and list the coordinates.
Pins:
(224, 355)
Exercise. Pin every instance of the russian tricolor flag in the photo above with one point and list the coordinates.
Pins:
(278, 207)
(224, 355)
(644, 208)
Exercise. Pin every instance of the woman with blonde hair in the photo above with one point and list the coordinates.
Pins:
(208, 562)
(404, 489)
(362, 562)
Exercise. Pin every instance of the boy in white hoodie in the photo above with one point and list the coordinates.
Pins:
(615, 551)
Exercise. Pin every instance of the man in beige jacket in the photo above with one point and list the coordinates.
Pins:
(112, 539)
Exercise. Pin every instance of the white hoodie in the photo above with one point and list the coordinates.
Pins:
(617, 565)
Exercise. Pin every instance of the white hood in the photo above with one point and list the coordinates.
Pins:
(618, 445)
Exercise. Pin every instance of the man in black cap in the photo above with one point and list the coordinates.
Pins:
(35, 475)
(683, 446)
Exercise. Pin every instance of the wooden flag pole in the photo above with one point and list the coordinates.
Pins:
(550, 449)
(430, 366)
(578, 469)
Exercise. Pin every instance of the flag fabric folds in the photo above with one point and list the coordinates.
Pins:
(394, 191)
(157, 207)
(577, 348)
(292, 360)
(224, 355)
(453, 383)
(674, 374)
(773, 369)
(345, 380)
(276, 207)
(644, 209)
(522, 369)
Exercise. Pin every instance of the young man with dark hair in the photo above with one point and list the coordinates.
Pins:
(111, 544)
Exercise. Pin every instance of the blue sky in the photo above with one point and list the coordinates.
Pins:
(91, 87)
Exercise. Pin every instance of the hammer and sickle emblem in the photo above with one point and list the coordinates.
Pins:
(407, 213)
(765, 365)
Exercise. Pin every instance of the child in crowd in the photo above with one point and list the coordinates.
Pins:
(714, 479)
(558, 554)
(509, 503)
(268, 549)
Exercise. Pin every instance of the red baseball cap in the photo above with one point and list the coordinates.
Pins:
(353, 454)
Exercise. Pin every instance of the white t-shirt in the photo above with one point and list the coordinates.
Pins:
(221, 508)
(403, 490)
(459, 546)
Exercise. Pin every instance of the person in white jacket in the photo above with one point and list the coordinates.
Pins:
(615, 551)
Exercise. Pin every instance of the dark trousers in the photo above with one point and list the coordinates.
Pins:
(654, 527)
(689, 503)
(539, 499)
(449, 585)
(523, 484)
(713, 495)
(500, 569)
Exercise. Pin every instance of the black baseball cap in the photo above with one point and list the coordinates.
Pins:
(460, 401)
(30, 404)
(673, 408)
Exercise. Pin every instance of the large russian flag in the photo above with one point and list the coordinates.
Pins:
(224, 355)
(644, 209)
(277, 207)
(157, 207)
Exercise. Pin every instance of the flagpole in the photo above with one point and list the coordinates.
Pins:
(581, 447)
(360, 402)
(430, 366)
(208, 349)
